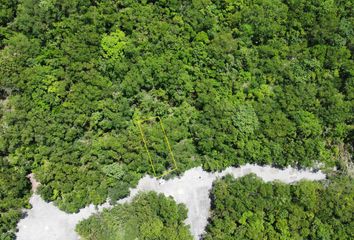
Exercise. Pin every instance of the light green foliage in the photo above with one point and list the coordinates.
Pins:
(248, 208)
(150, 216)
(202, 37)
(246, 119)
(308, 124)
(113, 44)
(114, 170)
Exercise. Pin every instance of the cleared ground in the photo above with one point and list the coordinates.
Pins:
(45, 221)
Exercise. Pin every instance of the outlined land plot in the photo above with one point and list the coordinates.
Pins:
(157, 146)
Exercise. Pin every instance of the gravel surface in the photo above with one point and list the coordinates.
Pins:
(46, 222)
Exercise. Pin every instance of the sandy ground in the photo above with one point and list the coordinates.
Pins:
(35, 184)
(47, 222)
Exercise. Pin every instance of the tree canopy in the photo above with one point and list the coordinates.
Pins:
(261, 81)
(248, 208)
(149, 216)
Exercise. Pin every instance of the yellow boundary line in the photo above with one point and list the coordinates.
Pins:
(146, 148)
(139, 122)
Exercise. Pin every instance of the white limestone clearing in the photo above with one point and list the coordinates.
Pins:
(46, 222)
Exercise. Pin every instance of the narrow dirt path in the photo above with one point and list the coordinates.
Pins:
(34, 182)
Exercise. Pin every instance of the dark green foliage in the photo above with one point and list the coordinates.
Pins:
(149, 216)
(14, 194)
(7, 15)
(263, 81)
(7, 11)
(248, 208)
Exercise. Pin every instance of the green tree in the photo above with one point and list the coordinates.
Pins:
(148, 216)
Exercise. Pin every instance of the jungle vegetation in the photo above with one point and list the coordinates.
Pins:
(150, 216)
(259, 81)
(248, 208)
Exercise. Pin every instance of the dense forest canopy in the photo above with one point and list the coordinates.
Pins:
(149, 216)
(248, 208)
(259, 81)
